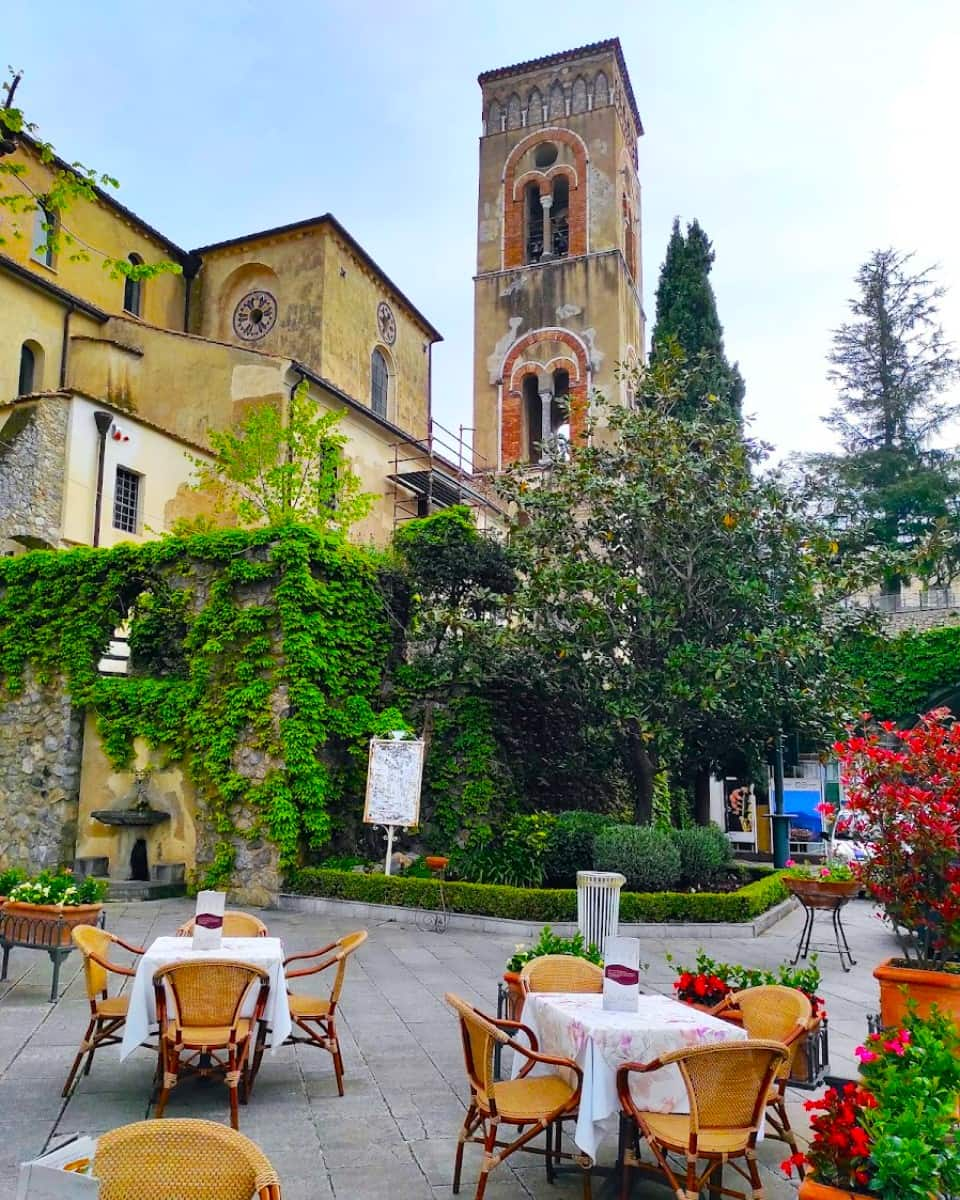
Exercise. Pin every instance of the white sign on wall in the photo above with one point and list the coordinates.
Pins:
(394, 774)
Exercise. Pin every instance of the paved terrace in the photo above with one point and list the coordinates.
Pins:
(393, 1134)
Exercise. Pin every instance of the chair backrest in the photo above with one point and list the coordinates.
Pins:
(561, 973)
(773, 1012)
(480, 1038)
(235, 924)
(728, 1082)
(186, 1158)
(89, 939)
(345, 947)
(208, 992)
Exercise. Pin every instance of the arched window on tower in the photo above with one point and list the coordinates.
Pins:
(578, 96)
(533, 223)
(533, 418)
(560, 411)
(560, 216)
(133, 289)
(601, 90)
(535, 108)
(28, 370)
(513, 112)
(379, 384)
(558, 106)
(493, 118)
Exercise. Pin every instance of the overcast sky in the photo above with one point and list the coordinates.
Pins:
(802, 135)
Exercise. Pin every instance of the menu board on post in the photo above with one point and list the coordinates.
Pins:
(394, 775)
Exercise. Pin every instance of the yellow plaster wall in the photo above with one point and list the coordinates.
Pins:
(102, 786)
(102, 227)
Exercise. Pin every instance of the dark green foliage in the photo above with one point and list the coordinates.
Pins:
(647, 856)
(537, 904)
(908, 674)
(513, 854)
(687, 317)
(553, 943)
(463, 780)
(570, 845)
(704, 853)
(290, 608)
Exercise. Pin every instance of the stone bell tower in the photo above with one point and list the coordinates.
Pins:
(558, 292)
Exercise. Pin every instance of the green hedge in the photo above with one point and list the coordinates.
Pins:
(536, 904)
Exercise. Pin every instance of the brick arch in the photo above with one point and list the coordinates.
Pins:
(513, 204)
(518, 363)
(545, 179)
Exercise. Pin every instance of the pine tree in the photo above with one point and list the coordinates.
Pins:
(687, 317)
(893, 367)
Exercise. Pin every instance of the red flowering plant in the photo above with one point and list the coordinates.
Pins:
(716, 980)
(892, 1135)
(904, 785)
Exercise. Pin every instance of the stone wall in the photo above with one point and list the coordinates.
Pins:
(32, 440)
(41, 740)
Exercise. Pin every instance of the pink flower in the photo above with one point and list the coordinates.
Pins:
(790, 863)
(865, 1055)
(824, 872)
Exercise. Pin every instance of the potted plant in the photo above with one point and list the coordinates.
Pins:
(890, 1136)
(904, 786)
(53, 902)
(826, 880)
(9, 878)
(548, 943)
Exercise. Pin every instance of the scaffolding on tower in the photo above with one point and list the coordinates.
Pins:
(438, 471)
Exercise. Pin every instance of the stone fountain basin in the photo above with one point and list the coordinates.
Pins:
(130, 816)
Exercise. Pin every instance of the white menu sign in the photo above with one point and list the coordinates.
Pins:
(394, 775)
(621, 974)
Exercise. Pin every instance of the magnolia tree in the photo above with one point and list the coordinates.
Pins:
(690, 600)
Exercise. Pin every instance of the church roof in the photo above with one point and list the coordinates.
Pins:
(563, 56)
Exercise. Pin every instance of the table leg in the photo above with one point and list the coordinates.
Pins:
(716, 1183)
(804, 935)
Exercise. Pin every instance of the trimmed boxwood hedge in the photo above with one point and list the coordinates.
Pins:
(537, 904)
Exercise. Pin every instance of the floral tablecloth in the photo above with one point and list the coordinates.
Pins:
(600, 1042)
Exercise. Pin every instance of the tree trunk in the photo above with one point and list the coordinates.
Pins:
(642, 770)
(701, 796)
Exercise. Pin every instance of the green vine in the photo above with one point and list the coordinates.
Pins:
(906, 675)
(268, 691)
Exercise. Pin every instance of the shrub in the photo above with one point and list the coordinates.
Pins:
(513, 855)
(570, 845)
(648, 857)
(704, 852)
(552, 943)
(536, 904)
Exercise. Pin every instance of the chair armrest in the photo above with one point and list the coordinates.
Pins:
(623, 1081)
(309, 953)
(128, 945)
(503, 1023)
(111, 966)
(551, 1060)
(310, 970)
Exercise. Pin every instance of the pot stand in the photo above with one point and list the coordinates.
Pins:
(812, 904)
(435, 920)
(38, 933)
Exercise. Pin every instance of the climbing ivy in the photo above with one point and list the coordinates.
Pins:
(270, 696)
(907, 674)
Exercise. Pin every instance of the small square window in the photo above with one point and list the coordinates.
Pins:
(126, 500)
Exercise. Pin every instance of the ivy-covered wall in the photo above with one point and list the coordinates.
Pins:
(258, 659)
(909, 673)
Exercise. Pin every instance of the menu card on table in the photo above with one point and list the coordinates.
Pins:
(621, 974)
(63, 1174)
(208, 921)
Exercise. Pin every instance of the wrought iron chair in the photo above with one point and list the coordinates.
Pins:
(185, 1158)
(727, 1087)
(201, 1030)
(315, 1016)
(561, 973)
(107, 1013)
(235, 924)
(533, 1103)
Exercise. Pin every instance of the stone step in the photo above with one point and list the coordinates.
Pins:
(143, 889)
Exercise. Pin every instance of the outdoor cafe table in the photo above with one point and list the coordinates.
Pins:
(577, 1026)
(265, 952)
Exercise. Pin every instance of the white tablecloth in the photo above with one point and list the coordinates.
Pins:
(600, 1042)
(261, 952)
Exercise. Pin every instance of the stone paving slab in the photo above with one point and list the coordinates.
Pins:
(392, 1136)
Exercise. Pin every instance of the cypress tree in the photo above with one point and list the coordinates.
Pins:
(687, 317)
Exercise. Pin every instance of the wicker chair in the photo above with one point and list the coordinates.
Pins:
(534, 1103)
(781, 1014)
(198, 1012)
(186, 1159)
(727, 1086)
(315, 1016)
(107, 1013)
(561, 973)
(235, 924)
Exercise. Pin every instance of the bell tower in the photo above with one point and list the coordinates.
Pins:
(558, 292)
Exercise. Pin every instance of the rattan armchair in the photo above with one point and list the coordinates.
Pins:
(107, 1013)
(199, 1003)
(235, 924)
(561, 973)
(727, 1087)
(182, 1158)
(534, 1103)
(315, 1016)
(781, 1014)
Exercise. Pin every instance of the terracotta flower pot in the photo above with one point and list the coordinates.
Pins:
(515, 999)
(927, 988)
(812, 888)
(811, 1189)
(436, 862)
(46, 924)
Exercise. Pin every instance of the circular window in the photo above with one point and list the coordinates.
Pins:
(545, 154)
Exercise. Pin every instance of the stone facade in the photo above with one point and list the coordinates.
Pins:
(41, 740)
(32, 440)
